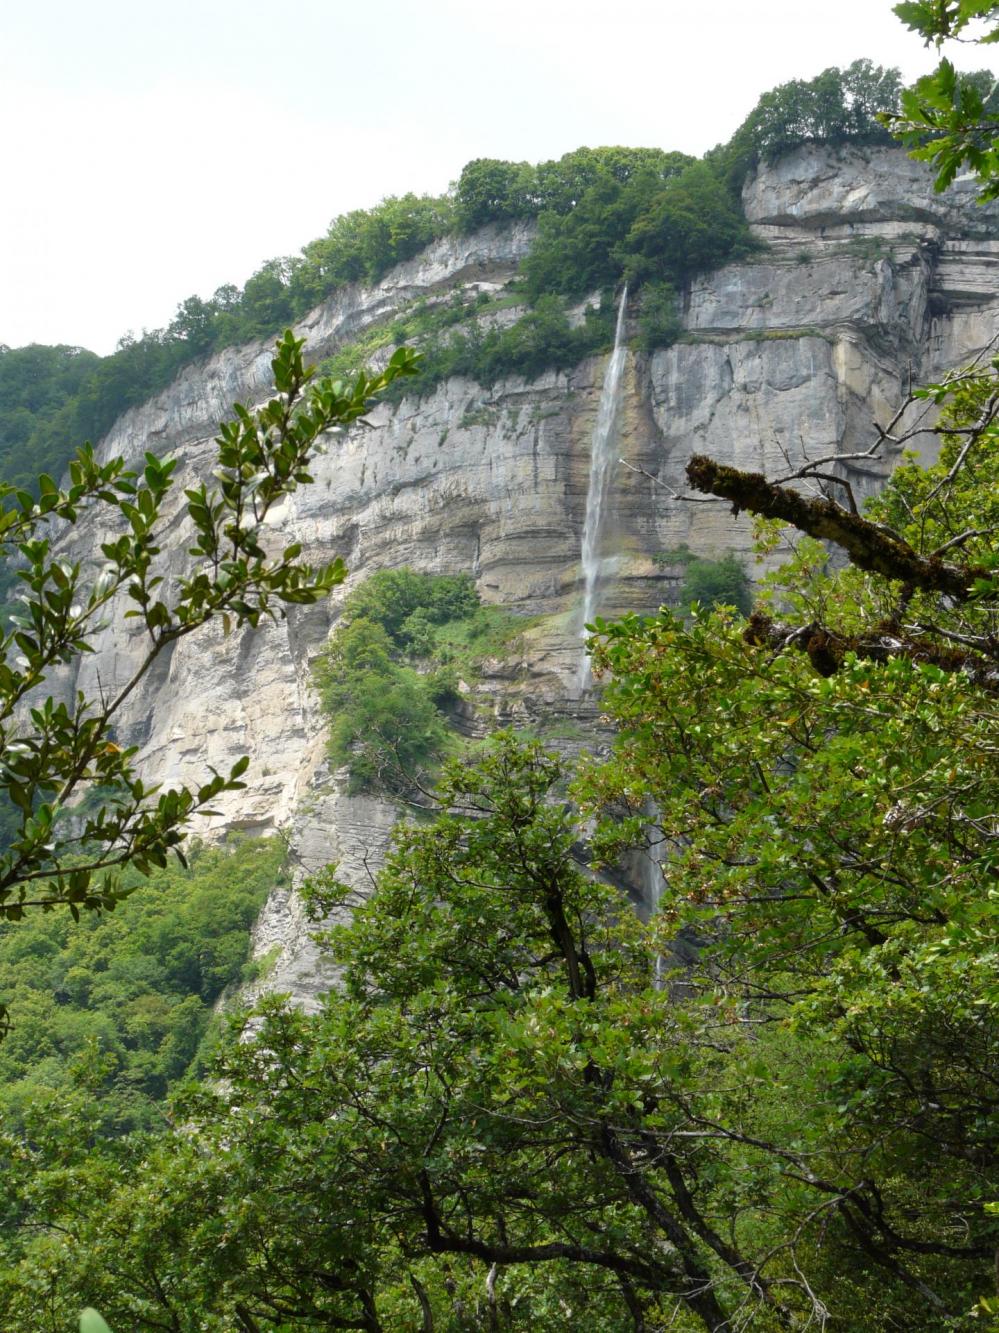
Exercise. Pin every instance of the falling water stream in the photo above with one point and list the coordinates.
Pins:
(603, 455)
(654, 883)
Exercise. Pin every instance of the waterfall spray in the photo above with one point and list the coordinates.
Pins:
(603, 452)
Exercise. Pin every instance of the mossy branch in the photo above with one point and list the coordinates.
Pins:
(868, 546)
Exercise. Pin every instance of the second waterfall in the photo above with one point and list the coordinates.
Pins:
(603, 455)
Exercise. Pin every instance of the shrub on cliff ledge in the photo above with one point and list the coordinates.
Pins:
(392, 666)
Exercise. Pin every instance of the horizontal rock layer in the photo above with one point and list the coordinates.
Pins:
(865, 277)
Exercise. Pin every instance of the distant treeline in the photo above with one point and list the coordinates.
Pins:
(604, 216)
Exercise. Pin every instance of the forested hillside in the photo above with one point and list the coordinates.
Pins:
(766, 1100)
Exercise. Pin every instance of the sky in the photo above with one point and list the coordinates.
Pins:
(156, 151)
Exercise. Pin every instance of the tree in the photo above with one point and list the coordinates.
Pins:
(799, 1124)
(63, 851)
(776, 1105)
(823, 782)
(561, 184)
(694, 225)
(835, 107)
(266, 303)
(948, 118)
(491, 190)
(806, 1123)
(485, 1090)
(718, 582)
(194, 324)
(139, 986)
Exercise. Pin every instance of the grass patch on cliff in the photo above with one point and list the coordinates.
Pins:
(418, 324)
(465, 644)
(461, 337)
(392, 669)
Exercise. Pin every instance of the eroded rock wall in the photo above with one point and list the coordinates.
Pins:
(865, 278)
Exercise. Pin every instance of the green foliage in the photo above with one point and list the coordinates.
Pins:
(721, 582)
(35, 382)
(392, 667)
(128, 995)
(795, 1124)
(695, 224)
(838, 106)
(344, 1142)
(420, 324)
(542, 339)
(500, 1082)
(825, 842)
(390, 597)
(491, 190)
(383, 721)
(91, 1322)
(666, 222)
(659, 322)
(949, 119)
(517, 1112)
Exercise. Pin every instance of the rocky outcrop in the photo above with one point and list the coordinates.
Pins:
(865, 277)
(842, 194)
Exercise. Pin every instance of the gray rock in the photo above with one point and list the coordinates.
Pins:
(869, 276)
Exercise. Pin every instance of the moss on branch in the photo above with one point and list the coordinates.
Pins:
(868, 546)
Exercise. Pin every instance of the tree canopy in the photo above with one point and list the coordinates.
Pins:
(837, 106)
(605, 216)
(775, 1102)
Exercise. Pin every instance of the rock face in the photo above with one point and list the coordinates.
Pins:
(864, 278)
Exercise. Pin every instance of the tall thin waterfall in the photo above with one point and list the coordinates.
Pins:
(653, 886)
(603, 453)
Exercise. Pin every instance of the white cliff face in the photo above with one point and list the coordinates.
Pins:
(203, 394)
(868, 277)
(871, 281)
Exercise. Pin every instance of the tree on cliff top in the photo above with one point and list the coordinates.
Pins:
(837, 106)
(64, 849)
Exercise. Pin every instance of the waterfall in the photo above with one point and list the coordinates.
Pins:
(603, 454)
(653, 874)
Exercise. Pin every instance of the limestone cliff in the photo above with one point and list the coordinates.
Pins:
(865, 278)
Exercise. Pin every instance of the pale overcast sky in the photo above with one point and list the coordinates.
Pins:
(154, 151)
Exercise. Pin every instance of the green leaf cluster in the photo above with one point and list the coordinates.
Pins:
(35, 382)
(827, 844)
(710, 582)
(836, 107)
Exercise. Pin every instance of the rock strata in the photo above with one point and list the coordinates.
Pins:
(864, 278)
